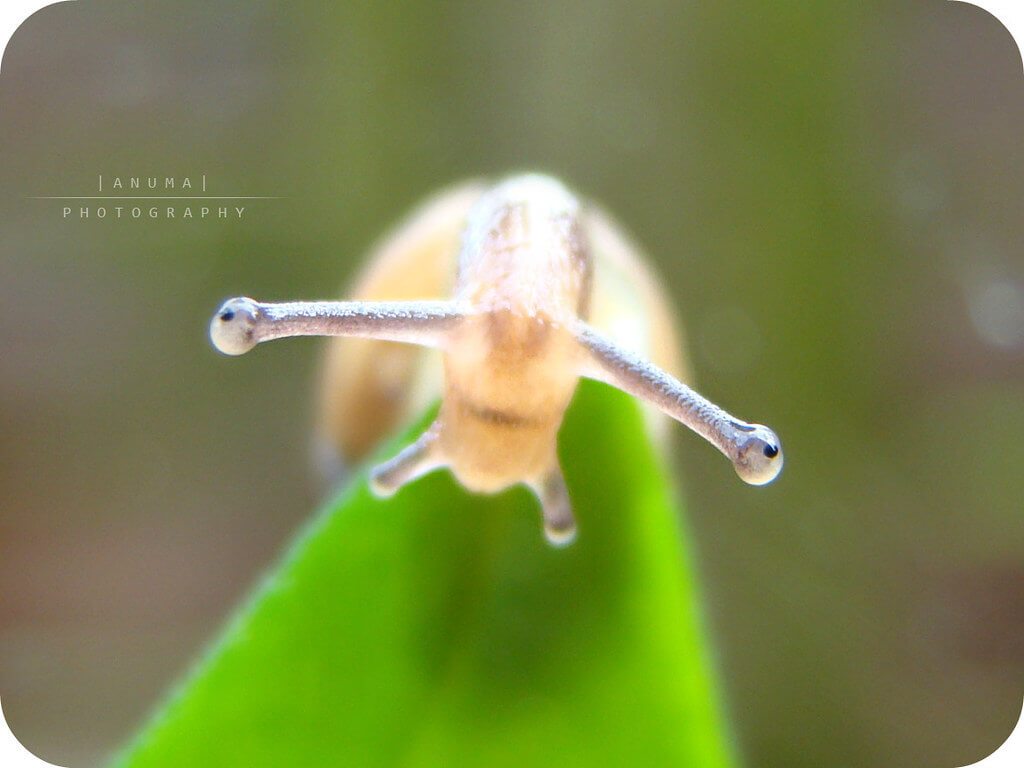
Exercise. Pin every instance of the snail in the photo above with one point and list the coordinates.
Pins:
(523, 289)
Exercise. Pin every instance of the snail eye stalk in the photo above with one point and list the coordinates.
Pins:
(242, 323)
(754, 449)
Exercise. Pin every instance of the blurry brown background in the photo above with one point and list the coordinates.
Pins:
(832, 192)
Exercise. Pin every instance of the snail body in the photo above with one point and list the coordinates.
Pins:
(523, 289)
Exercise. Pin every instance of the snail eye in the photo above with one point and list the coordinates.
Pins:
(227, 316)
(771, 451)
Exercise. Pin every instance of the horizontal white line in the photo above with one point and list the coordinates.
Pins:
(155, 197)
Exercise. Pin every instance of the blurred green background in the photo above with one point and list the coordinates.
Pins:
(832, 193)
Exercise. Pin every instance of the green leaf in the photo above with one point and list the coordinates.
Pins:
(438, 628)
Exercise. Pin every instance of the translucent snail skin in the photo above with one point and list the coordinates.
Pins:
(523, 289)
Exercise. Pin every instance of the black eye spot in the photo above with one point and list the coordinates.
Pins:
(227, 316)
(771, 451)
